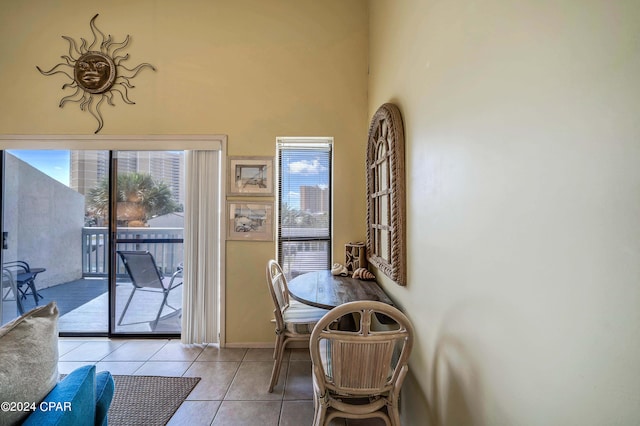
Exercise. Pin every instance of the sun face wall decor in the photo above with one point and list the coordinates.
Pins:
(97, 72)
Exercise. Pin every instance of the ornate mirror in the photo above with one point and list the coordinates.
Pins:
(385, 193)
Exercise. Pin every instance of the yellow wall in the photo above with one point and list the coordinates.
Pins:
(522, 150)
(250, 69)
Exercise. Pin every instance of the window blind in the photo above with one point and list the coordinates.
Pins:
(304, 206)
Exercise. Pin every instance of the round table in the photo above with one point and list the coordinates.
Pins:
(326, 291)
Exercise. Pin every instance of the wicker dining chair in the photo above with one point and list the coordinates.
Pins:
(294, 320)
(358, 373)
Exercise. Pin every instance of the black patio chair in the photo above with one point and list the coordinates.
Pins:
(25, 278)
(145, 276)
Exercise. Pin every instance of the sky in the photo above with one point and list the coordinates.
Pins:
(305, 169)
(51, 162)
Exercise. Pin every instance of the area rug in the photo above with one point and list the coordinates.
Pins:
(148, 400)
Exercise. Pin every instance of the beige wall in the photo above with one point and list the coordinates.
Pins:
(250, 69)
(522, 151)
(522, 148)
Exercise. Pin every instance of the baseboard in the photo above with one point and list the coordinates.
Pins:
(250, 345)
(264, 345)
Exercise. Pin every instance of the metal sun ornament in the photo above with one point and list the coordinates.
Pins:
(97, 74)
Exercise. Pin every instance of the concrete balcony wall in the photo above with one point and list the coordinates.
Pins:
(44, 219)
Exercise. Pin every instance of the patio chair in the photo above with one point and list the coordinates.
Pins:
(25, 278)
(358, 374)
(8, 282)
(294, 320)
(145, 276)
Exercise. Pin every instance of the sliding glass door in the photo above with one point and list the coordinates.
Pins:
(53, 249)
(149, 230)
(108, 273)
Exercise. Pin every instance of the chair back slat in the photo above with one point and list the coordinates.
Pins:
(278, 291)
(280, 286)
(363, 367)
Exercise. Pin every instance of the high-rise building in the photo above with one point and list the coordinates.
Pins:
(89, 168)
(314, 199)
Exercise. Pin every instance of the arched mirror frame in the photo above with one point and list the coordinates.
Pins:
(386, 234)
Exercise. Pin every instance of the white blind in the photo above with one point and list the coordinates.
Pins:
(304, 206)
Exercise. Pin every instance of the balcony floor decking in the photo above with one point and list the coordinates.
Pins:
(83, 306)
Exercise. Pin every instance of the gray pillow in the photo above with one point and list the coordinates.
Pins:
(28, 359)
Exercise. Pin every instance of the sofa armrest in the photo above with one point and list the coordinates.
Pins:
(71, 402)
(105, 388)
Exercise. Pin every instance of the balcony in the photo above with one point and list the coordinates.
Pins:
(82, 296)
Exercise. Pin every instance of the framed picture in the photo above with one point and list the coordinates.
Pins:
(250, 221)
(250, 176)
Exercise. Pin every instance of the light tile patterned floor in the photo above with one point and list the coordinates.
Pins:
(233, 389)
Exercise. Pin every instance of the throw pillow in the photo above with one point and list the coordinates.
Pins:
(28, 359)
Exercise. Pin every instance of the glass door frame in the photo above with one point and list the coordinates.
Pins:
(123, 143)
(114, 244)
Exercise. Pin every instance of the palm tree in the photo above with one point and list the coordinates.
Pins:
(139, 198)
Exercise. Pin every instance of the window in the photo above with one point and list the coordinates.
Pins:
(304, 205)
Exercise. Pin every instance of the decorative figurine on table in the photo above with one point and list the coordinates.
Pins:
(356, 256)
(363, 274)
(339, 269)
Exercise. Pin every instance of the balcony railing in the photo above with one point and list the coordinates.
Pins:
(165, 244)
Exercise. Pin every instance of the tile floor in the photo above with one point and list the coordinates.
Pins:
(233, 389)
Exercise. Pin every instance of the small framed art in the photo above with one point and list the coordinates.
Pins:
(251, 176)
(249, 221)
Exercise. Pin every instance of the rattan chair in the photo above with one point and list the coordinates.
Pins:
(294, 320)
(358, 374)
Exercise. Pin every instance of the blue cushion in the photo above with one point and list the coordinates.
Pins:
(71, 402)
(105, 387)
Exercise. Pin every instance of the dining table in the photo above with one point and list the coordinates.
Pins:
(324, 290)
